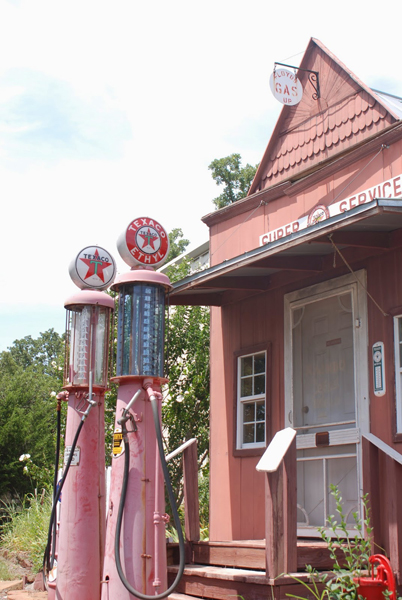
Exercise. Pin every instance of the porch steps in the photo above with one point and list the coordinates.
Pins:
(219, 583)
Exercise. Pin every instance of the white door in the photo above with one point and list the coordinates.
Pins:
(323, 404)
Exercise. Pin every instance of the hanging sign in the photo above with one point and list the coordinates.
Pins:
(286, 87)
(145, 242)
(93, 268)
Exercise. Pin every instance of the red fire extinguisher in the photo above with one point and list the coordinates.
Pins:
(372, 588)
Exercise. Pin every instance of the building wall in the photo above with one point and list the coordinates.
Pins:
(237, 489)
(236, 235)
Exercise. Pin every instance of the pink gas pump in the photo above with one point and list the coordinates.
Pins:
(81, 538)
(135, 551)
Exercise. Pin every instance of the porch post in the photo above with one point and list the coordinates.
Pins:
(191, 500)
(281, 516)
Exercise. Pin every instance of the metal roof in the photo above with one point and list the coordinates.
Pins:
(367, 226)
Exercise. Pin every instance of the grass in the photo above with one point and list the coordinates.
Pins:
(5, 573)
(25, 525)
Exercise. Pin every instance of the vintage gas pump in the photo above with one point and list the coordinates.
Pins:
(82, 513)
(135, 551)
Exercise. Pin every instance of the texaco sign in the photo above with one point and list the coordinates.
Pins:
(93, 268)
(144, 242)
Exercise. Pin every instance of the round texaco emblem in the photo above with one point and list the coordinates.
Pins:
(93, 268)
(144, 242)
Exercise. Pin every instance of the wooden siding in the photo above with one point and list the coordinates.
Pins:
(237, 490)
(237, 235)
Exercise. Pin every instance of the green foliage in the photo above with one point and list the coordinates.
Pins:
(25, 525)
(236, 179)
(355, 551)
(186, 407)
(31, 374)
(185, 410)
(5, 573)
(177, 244)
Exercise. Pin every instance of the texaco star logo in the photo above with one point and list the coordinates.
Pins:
(145, 243)
(93, 268)
(96, 265)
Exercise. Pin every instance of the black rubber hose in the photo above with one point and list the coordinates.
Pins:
(46, 562)
(56, 472)
(154, 405)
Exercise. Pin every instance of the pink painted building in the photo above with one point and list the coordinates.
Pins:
(305, 289)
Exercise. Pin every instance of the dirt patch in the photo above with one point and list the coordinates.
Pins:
(18, 565)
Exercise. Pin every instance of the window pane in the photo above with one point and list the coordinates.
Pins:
(260, 433)
(259, 384)
(248, 412)
(259, 363)
(246, 366)
(260, 411)
(246, 387)
(248, 434)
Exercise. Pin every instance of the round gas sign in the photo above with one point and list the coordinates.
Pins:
(93, 268)
(144, 242)
(286, 87)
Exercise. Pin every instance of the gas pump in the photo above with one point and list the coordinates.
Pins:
(82, 513)
(135, 551)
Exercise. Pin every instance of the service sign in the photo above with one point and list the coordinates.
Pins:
(145, 242)
(392, 188)
(286, 87)
(93, 268)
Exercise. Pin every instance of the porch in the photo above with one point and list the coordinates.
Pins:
(220, 569)
(253, 569)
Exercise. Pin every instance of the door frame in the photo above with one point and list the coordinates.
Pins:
(356, 285)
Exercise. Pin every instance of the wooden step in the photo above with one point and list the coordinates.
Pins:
(250, 554)
(217, 583)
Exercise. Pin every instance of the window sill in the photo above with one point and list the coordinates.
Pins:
(245, 452)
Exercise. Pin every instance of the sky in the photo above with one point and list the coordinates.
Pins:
(114, 110)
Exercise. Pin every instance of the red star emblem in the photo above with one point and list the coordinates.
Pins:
(149, 239)
(96, 266)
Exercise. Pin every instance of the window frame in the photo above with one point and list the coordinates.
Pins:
(255, 449)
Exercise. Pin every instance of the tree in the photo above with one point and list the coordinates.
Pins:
(177, 245)
(31, 373)
(229, 172)
(186, 406)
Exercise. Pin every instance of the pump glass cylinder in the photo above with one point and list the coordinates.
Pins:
(141, 330)
(89, 343)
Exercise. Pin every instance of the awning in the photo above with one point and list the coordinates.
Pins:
(364, 231)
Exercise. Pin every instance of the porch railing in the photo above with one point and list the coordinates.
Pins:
(382, 480)
(279, 464)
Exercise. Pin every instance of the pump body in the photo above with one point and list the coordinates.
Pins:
(139, 368)
(82, 513)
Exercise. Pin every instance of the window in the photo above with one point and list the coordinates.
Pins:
(398, 371)
(251, 400)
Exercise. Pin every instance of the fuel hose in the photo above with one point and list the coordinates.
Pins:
(172, 501)
(47, 562)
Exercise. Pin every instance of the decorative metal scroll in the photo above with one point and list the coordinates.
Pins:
(312, 77)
